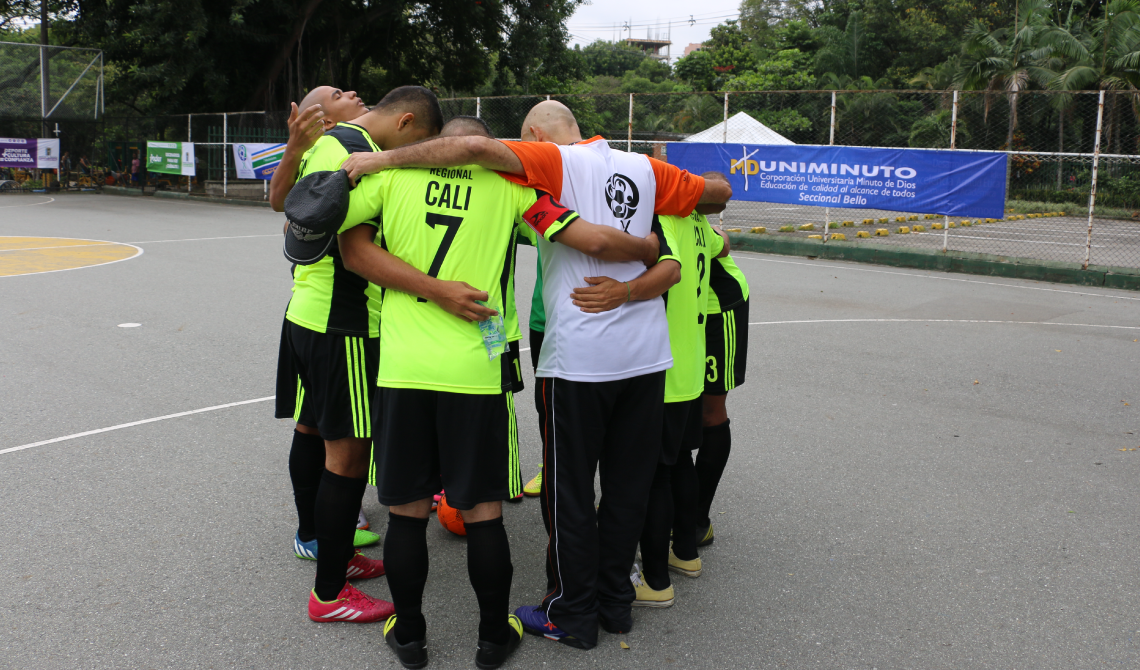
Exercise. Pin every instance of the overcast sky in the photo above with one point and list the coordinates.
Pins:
(597, 20)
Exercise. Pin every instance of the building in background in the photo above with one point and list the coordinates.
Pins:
(653, 43)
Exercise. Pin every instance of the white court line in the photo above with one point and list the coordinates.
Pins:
(1018, 241)
(747, 256)
(1028, 323)
(133, 423)
(139, 423)
(30, 204)
(81, 267)
(755, 323)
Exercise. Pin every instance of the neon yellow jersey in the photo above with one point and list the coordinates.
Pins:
(528, 237)
(328, 297)
(728, 287)
(695, 245)
(457, 224)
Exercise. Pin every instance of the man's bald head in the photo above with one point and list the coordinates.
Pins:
(336, 104)
(551, 121)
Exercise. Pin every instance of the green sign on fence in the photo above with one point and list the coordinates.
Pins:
(170, 157)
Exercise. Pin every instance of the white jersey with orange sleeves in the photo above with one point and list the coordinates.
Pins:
(616, 189)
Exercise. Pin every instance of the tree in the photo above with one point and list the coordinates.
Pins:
(933, 131)
(730, 49)
(194, 55)
(842, 50)
(785, 71)
(1004, 59)
(1099, 53)
(697, 69)
(697, 113)
(610, 58)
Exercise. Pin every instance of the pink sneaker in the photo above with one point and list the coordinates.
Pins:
(350, 606)
(362, 567)
(435, 500)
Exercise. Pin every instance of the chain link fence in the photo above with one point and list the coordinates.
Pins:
(1051, 139)
(1057, 156)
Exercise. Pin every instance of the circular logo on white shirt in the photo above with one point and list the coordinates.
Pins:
(622, 198)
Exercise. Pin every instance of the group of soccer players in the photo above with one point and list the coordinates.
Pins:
(400, 353)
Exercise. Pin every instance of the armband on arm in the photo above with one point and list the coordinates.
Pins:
(548, 216)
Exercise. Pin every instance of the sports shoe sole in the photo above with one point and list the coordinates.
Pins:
(654, 603)
(415, 651)
(681, 571)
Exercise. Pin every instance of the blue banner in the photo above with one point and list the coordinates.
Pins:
(926, 181)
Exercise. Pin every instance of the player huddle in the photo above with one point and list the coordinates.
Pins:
(400, 362)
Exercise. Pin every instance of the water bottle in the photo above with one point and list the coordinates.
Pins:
(494, 335)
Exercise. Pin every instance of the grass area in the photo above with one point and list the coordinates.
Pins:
(1070, 209)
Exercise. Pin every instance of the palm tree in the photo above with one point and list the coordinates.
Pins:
(656, 123)
(1004, 59)
(1104, 53)
(697, 113)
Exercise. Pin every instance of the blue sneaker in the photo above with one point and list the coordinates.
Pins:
(535, 622)
(308, 550)
(305, 550)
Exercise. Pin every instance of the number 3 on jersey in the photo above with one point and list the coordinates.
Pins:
(452, 224)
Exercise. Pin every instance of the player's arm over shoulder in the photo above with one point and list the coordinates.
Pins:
(679, 192)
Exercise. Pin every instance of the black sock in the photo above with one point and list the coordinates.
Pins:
(684, 484)
(655, 532)
(490, 570)
(306, 464)
(711, 460)
(406, 563)
(338, 503)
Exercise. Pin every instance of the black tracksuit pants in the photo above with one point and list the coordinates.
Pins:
(590, 425)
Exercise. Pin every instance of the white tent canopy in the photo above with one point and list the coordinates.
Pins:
(742, 129)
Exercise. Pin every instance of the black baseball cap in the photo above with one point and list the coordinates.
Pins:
(315, 208)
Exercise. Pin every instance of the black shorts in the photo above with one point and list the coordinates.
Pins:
(464, 443)
(681, 428)
(327, 381)
(726, 350)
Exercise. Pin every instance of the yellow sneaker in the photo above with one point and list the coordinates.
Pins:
(688, 568)
(534, 486)
(644, 596)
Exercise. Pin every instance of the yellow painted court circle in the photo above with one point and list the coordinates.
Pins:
(32, 255)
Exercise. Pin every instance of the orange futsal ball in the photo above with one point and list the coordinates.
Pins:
(450, 518)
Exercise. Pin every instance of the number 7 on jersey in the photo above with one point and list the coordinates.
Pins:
(452, 223)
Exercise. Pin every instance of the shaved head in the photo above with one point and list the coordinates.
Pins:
(551, 121)
(466, 126)
(316, 96)
(336, 104)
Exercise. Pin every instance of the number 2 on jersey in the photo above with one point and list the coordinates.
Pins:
(452, 225)
(700, 278)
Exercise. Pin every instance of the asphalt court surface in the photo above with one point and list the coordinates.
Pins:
(1060, 238)
(928, 471)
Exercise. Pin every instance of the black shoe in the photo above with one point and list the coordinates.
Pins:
(705, 535)
(618, 622)
(490, 655)
(411, 655)
(616, 626)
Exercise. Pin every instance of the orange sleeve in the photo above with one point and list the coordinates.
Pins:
(678, 192)
(542, 162)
